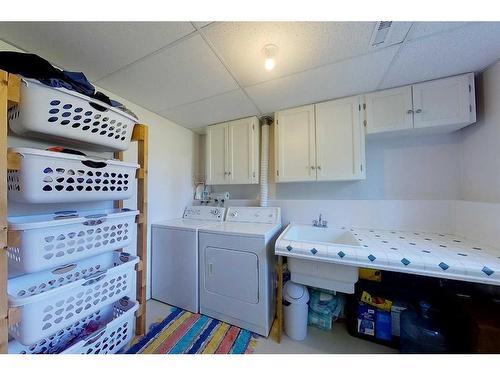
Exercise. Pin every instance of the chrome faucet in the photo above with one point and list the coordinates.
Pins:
(320, 223)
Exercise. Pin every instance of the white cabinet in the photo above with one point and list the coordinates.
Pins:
(216, 154)
(340, 140)
(389, 110)
(436, 106)
(233, 152)
(295, 145)
(322, 142)
(243, 151)
(444, 102)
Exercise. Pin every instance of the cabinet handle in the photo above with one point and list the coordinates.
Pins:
(318, 167)
(418, 111)
(410, 111)
(313, 167)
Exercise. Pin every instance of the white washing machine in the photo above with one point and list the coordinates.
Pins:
(174, 256)
(237, 268)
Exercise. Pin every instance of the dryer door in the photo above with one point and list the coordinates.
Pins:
(232, 273)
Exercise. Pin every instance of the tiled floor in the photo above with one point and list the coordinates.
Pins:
(317, 341)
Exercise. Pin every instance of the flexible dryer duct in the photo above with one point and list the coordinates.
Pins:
(264, 162)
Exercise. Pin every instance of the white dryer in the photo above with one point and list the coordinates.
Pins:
(237, 268)
(174, 256)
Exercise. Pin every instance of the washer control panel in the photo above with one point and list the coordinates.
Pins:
(204, 213)
(263, 215)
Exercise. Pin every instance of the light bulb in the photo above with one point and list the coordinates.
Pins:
(269, 51)
(270, 63)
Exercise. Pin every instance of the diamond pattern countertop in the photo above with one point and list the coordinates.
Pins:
(428, 254)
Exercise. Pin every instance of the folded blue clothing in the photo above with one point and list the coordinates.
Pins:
(78, 78)
(77, 81)
(33, 66)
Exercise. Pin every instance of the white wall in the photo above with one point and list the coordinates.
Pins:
(173, 161)
(479, 221)
(477, 214)
(481, 143)
(410, 215)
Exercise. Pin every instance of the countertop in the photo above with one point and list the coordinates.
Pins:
(429, 254)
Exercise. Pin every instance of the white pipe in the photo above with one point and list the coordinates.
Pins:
(264, 164)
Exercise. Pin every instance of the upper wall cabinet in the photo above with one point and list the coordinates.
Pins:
(340, 140)
(436, 106)
(389, 110)
(295, 144)
(445, 102)
(322, 142)
(216, 148)
(233, 152)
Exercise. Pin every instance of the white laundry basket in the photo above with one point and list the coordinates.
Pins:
(61, 114)
(48, 241)
(117, 323)
(52, 300)
(55, 177)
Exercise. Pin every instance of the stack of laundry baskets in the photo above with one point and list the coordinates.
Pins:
(69, 279)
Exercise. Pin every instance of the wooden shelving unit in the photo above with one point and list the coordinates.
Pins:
(277, 328)
(10, 96)
(140, 135)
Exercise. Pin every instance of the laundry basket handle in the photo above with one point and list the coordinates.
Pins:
(98, 107)
(64, 269)
(95, 336)
(94, 164)
(91, 279)
(62, 215)
(96, 219)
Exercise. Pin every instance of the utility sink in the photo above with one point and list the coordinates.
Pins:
(313, 256)
(328, 236)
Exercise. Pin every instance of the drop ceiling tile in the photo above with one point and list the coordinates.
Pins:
(348, 77)
(96, 48)
(184, 73)
(301, 45)
(201, 24)
(467, 49)
(220, 108)
(422, 29)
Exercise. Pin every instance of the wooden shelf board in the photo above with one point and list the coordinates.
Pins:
(13, 90)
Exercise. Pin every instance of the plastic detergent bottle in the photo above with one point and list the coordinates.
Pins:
(421, 331)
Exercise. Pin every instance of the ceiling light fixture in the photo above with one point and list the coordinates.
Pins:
(270, 51)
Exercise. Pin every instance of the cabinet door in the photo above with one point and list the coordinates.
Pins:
(389, 110)
(243, 151)
(295, 145)
(443, 102)
(340, 140)
(217, 154)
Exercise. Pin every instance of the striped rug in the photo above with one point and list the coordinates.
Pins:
(185, 332)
